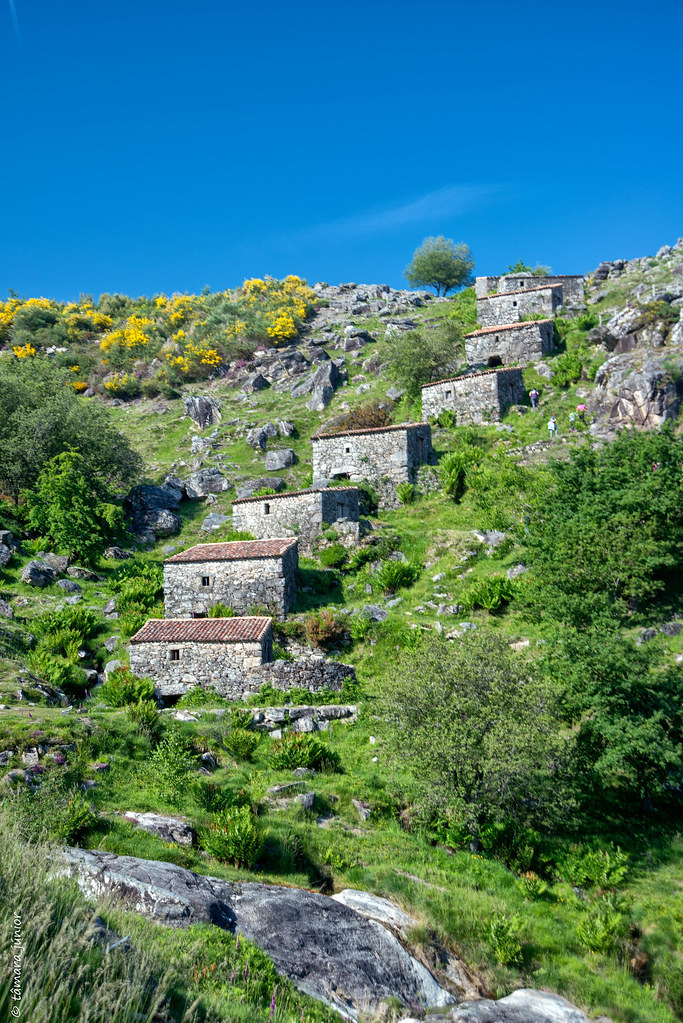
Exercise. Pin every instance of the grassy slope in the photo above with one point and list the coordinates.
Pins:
(378, 854)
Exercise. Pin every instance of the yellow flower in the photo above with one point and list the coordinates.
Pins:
(24, 351)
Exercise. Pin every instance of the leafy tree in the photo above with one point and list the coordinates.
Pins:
(40, 417)
(477, 729)
(440, 264)
(66, 511)
(520, 267)
(417, 357)
(607, 532)
(625, 708)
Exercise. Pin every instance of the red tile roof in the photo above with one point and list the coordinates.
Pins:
(508, 326)
(467, 376)
(291, 493)
(519, 291)
(369, 429)
(237, 550)
(202, 630)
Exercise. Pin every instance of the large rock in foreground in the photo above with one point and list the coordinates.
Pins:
(524, 1006)
(327, 949)
(642, 389)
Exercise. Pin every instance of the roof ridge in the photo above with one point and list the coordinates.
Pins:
(291, 493)
(479, 373)
(367, 429)
(508, 326)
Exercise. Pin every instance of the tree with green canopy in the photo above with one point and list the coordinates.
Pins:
(440, 264)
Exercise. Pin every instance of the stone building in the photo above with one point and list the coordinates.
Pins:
(475, 397)
(510, 306)
(572, 286)
(384, 456)
(509, 344)
(223, 654)
(240, 574)
(300, 513)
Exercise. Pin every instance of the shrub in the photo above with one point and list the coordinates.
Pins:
(491, 593)
(604, 928)
(170, 766)
(233, 836)
(122, 687)
(405, 492)
(503, 937)
(587, 320)
(360, 626)
(299, 749)
(82, 620)
(55, 810)
(373, 552)
(63, 643)
(531, 885)
(453, 469)
(395, 575)
(333, 556)
(200, 697)
(567, 369)
(144, 714)
(241, 743)
(57, 671)
(221, 610)
(601, 868)
(446, 419)
(323, 629)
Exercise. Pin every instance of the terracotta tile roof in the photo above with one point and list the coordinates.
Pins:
(202, 630)
(481, 373)
(370, 429)
(519, 291)
(292, 493)
(508, 326)
(236, 550)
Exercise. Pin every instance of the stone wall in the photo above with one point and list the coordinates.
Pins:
(476, 397)
(298, 514)
(224, 667)
(313, 675)
(509, 345)
(485, 285)
(241, 584)
(493, 310)
(383, 457)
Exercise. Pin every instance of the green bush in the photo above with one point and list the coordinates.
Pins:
(604, 928)
(241, 743)
(396, 575)
(233, 836)
(503, 934)
(334, 556)
(170, 765)
(200, 697)
(55, 810)
(57, 671)
(453, 468)
(446, 419)
(567, 369)
(492, 593)
(588, 868)
(373, 552)
(144, 714)
(221, 610)
(63, 643)
(299, 749)
(81, 620)
(405, 492)
(122, 687)
(323, 629)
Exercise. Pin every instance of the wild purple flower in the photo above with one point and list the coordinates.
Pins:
(237, 943)
(246, 970)
(272, 1002)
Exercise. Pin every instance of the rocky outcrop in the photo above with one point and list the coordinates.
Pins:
(170, 829)
(202, 410)
(206, 481)
(643, 391)
(523, 1006)
(38, 573)
(326, 949)
(280, 458)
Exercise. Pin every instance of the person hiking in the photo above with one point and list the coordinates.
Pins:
(572, 420)
(534, 395)
(552, 427)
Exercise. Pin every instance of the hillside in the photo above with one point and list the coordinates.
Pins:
(555, 557)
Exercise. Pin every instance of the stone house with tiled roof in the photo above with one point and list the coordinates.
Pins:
(241, 574)
(573, 297)
(474, 397)
(299, 513)
(384, 456)
(224, 654)
(510, 306)
(509, 344)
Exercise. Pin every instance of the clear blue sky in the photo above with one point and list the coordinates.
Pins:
(154, 145)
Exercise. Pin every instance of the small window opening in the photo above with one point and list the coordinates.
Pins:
(341, 511)
(347, 451)
(515, 302)
(266, 509)
(206, 580)
(174, 655)
(448, 394)
(421, 448)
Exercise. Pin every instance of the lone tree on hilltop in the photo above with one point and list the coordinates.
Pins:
(440, 264)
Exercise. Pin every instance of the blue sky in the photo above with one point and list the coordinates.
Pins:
(163, 146)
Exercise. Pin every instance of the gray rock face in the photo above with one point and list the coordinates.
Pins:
(38, 573)
(321, 398)
(214, 521)
(160, 522)
(247, 488)
(205, 482)
(171, 829)
(202, 410)
(58, 562)
(325, 948)
(69, 586)
(523, 1006)
(516, 571)
(256, 382)
(5, 555)
(5, 610)
(646, 393)
(280, 458)
(149, 498)
(117, 554)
